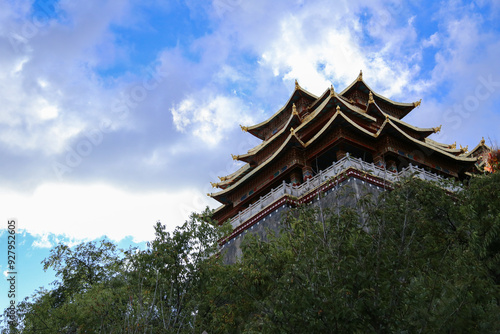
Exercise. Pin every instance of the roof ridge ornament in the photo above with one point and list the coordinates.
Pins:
(360, 76)
(464, 149)
(417, 103)
(338, 108)
(454, 145)
(294, 110)
(222, 178)
(235, 157)
(214, 185)
(297, 86)
(437, 129)
(244, 128)
(482, 141)
(332, 91)
(370, 98)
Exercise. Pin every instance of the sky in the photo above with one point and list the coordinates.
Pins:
(116, 114)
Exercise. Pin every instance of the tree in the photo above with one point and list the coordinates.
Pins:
(412, 262)
(416, 259)
(100, 290)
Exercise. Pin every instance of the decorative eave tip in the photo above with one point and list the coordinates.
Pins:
(222, 178)
(297, 86)
(454, 145)
(436, 130)
(482, 141)
(292, 131)
(332, 91)
(464, 149)
(370, 98)
(244, 128)
(214, 185)
(235, 157)
(360, 76)
(417, 103)
(338, 108)
(294, 110)
(209, 195)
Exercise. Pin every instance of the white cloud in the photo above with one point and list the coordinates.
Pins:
(335, 56)
(87, 212)
(210, 118)
(42, 242)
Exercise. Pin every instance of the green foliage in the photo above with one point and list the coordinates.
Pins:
(411, 263)
(416, 259)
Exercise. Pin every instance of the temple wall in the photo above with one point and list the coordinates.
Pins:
(346, 193)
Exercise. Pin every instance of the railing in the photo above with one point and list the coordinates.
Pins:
(333, 171)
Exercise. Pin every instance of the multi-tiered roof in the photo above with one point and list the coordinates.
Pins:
(309, 133)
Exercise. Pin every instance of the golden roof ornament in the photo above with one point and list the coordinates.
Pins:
(294, 110)
(464, 149)
(454, 146)
(297, 86)
(417, 103)
(214, 185)
(244, 128)
(222, 178)
(436, 130)
(209, 195)
(370, 97)
(332, 91)
(292, 131)
(483, 141)
(360, 76)
(235, 157)
(338, 108)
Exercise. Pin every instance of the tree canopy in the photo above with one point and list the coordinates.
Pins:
(415, 259)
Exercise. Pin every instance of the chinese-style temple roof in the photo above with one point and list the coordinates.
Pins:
(357, 116)
(399, 109)
(258, 130)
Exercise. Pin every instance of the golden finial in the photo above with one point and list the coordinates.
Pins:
(297, 86)
(387, 117)
(370, 97)
(294, 110)
(338, 108)
(464, 149)
(214, 185)
(454, 146)
(482, 141)
(222, 178)
(417, 103)
(235, 157)
(209, 195)
(436, 130)
(332, 91)
(360, 76)
(292, 131)
(244, 128)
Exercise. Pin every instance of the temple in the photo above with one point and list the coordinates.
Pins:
(356, 133)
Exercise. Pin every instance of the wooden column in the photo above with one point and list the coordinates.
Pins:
(307, 173)
(378, 160)
(391, 166)
(340, 154)
(296, 177)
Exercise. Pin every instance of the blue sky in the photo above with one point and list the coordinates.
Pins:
(116, 114)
